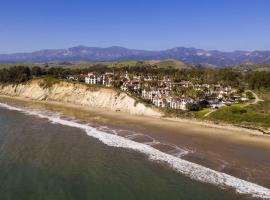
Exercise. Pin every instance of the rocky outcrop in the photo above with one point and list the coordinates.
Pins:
(80, 94)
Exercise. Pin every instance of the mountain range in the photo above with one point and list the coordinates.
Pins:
(115, 53)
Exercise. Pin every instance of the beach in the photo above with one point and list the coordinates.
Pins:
(225, 132)
(239, 152)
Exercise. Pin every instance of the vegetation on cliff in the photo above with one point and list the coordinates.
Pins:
(48, 82)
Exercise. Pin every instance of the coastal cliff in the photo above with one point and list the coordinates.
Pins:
(79, 94)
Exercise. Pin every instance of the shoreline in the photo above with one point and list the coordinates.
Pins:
(220, 125)
(185, 127)
(207, 124)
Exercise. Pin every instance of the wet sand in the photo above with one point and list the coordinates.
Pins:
(235, 151)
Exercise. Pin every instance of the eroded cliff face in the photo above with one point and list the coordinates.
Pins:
(80, 94)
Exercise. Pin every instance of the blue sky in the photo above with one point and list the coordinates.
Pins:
(28, 25)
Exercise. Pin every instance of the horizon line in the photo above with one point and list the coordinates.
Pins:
(130, 48)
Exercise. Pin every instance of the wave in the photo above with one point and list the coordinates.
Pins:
(192, 170)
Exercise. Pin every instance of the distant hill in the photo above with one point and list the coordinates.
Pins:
(115, 53)
(176, 64)
(254, 67)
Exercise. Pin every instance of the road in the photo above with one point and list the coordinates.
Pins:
(257, 99)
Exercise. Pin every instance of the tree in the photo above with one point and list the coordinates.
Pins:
(192, 107)
(203, 104)
(36, 71)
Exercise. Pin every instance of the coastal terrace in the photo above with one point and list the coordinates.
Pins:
(164, 92)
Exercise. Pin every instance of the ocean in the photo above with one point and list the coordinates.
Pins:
(44, 155)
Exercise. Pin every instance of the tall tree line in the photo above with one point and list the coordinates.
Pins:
(226, 76)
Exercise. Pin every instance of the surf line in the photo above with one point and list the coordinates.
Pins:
(189, 169)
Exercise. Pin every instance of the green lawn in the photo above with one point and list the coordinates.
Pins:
(202, 113)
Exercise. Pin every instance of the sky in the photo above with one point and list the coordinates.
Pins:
(227, 25)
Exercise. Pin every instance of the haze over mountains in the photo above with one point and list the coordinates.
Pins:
(115, 53)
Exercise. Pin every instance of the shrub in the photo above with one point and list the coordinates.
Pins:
(192, 107)
(48, 82)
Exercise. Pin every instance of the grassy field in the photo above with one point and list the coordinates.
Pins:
(254, 115)
(176, 64)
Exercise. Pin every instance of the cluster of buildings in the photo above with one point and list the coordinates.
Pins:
(162, 98)
(163, 93)
(104, 79)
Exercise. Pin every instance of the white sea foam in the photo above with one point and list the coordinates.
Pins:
(192, 170)
(154, 142)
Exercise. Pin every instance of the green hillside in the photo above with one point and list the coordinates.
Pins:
(79, 65)
(176, 64)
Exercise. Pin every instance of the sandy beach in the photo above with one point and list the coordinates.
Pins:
(225, 132)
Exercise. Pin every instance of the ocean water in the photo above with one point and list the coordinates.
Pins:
(43, 156)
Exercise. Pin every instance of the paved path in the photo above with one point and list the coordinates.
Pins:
(257, 99)
(206, 114)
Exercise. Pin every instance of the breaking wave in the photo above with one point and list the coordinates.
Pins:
(192, 170)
